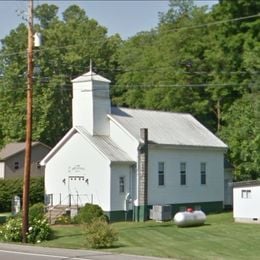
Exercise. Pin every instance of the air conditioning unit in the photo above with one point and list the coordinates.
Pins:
(161, 213)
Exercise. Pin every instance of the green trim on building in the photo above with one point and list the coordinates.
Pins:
(119, 215)
(207, 207)
(141, 213)
(136, 213)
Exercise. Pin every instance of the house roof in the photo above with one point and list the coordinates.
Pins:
(166, 127)
(14, 148)
(106, 146)
(103, 144)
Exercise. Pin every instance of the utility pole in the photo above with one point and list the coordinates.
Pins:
(27, 160)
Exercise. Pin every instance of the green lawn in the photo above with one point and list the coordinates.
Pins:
(6, 214)
(219, 238)
(3, 217)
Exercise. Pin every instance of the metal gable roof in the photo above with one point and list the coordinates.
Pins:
(106, 146)
(166, 128)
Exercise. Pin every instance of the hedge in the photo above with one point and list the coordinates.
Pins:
(12, 187)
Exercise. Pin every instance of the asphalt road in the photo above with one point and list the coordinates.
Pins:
(24, 252)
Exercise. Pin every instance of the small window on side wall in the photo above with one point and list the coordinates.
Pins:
(121, 184)
(161, 173)
(183, 173)
(246, 194)
(203, 173)
(16, 165)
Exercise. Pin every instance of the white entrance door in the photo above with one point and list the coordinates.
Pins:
(78, 190)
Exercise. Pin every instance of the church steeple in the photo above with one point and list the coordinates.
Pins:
(90, 66)
(91, 102)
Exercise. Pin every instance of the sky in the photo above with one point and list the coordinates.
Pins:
(124, 17)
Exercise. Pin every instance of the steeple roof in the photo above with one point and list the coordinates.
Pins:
(90, 76)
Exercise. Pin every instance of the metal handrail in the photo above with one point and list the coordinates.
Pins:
(66, 198)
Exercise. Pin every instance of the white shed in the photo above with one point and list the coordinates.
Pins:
(246, 206)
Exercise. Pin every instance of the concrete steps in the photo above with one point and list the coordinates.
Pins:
(54, 212)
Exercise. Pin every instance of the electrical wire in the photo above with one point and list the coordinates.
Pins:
(213, 23)
(67, 87)
(42, 49)
(119, 70)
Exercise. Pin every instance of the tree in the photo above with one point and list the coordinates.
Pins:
(229, 41)
(197, 60)
(202, 62)
(134, 70)
(177, 9)
(68, 46)
(242, 133)
(46, 14)
(164, 68)
(13, 84)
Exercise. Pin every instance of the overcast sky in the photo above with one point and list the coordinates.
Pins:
(123, 17)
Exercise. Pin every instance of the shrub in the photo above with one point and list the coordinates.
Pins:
(2, 219)
(11, 187)
(100, 234)
(39, 230)
(11, 231)
(88, 213)
(36, 211)
(36, 190)
(64, 219)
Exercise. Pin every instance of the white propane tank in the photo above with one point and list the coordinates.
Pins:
(189, 218)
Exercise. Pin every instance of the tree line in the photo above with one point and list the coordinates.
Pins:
(197, 60)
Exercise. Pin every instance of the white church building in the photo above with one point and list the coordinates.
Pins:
(127, 160)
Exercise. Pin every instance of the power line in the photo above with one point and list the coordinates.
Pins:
(213, 23)
(68, 87)
(154, 69)
(209, 73)
(154, 30)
